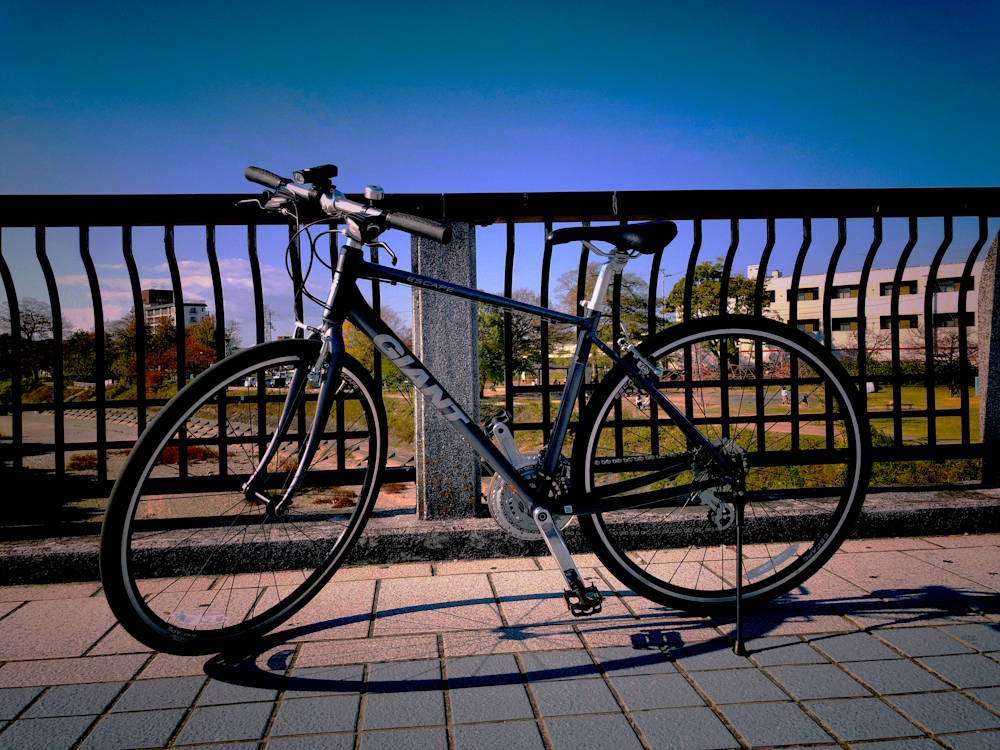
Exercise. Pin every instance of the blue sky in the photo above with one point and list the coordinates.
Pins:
(104, 97)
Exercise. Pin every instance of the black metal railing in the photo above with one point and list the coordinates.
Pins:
(856, 213)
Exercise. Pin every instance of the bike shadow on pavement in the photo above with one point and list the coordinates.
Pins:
(267, 664)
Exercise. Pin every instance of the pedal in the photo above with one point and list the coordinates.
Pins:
(586, 601)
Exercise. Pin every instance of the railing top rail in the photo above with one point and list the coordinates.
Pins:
(489, 208)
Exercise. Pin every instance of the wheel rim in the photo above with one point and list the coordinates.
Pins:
(802, 483)
(203, 562)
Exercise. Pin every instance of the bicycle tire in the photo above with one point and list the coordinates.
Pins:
(806, 464)
(189, 564)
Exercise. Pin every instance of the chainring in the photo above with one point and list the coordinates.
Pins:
(512, 512)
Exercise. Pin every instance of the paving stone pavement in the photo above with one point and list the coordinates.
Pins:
(894, 646)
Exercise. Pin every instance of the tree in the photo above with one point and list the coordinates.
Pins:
(707, 287)
(35, 323)
(525, 340)
(359, 347)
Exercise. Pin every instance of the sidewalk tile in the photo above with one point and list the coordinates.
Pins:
(965, 670)
(13, 700)
(774, 724)
(323, 714)
(656, 691)
(463, 567)
(824, 589)
(172, 692)
(814, 681)
(71, 671)
(684, 729)
(977, 741)
(133, 730)
(44, 734)
(608, 732)
(313, 682)
(471, 671)
(917, 642)
(361, 651)
(422, 708)
(511, 735)
(738, 686)
(990, 696)
(985, 637)
(118, 642)
(6, 607)
(717, 654)
(372, 572)
(771, 652)
(572, 697)
(489, 703)
(411, 739)
(75, 700)
(510, 640)
(883, 545)
(622, 661)
(853, 647)
(407, 605)
(312, 742)
(970, 564)
(910, 743)
(944, 712)
(219, 693)
(895, 676)
(966, 540)
(224, 723)
(558, 665)
(340, 610)
(888, 575)
(34, 593)
(788, 621)
(862, 719)
(676, 631)
(169, 665)
(53, 628)
(400, 676)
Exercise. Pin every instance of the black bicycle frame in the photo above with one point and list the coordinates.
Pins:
(347, 303)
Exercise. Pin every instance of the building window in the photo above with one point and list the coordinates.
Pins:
(845, 292)
(806, 295)
(905, 287)
(954, 284)
(950, 320)
(769, 296)
(845, 324)
(808, 326)
(903, 321)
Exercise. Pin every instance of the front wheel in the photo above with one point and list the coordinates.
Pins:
(779, 407)
(191, 562)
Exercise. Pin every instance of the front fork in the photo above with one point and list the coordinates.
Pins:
(328, 366)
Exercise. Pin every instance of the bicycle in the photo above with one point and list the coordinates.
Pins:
(252, 535)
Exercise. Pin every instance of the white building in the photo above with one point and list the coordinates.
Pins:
(158, 304)
(844, 312)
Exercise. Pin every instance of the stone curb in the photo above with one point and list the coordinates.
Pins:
(402, 538)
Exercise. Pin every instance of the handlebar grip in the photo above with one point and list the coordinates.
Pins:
(265, 178)
(426, 228)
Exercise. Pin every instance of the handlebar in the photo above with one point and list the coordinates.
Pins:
(334, 202)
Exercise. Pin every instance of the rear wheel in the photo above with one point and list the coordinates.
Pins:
(191, 563)
(775, 403)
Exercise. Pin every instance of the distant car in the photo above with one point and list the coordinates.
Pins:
(250, 382)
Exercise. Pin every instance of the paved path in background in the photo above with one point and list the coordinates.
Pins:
(895, 640)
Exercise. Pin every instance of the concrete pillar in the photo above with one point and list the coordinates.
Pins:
(988, 323)
(445, 338)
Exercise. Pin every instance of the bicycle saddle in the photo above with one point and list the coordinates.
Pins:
(646, 238)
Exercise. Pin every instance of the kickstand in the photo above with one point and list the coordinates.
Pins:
(739, 647)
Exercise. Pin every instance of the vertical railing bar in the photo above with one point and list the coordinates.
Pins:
(762, 269)
(220, 343)
(16, 407)
(963, 333)
(59, 391)
(258, 286)
(544, 374)
(930, 339)
(686, 312)
(616, 321)
(101, 435)
(828, 286)
(139, 320)
(339, 421)
(179, 338)
(581, 293)
(376, 305)
(727, 270)
(862, 297)
(793, 312)
(897, 384)
(508, 319)
(295, 253)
